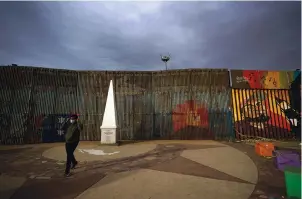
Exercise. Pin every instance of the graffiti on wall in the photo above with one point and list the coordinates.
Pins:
(50, 127)
(256, 79)
(190, 120)
(190, 113)
(264, 113)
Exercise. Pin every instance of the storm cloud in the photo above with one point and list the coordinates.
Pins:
(132, 35)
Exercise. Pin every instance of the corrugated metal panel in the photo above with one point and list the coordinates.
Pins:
(263, 113)
(142, 106)
(204, 95)
(161, 83)
(85, 102)
(66, 92)
(124, 104)
(220, 114)
(179, 104)
(87, 95)
(200, 95)
(65, 101)
(44, 103)
(53, 99)
(181, 94)
(19, 81)
(20, 107)
(5, 121)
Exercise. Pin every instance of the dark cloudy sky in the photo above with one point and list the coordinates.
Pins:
(132, 35)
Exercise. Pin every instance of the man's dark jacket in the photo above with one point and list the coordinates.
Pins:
(72, 134)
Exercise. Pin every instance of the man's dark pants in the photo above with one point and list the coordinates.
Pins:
(70, 148)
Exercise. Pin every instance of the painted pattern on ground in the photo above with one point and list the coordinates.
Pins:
(165, 157)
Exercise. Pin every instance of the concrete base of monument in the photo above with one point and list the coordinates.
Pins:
(108, 136)
(99, 152)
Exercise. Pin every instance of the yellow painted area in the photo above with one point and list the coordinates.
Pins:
(277, 80)
(193, 119)
(235, 105)
(285, 93)
(238, 97)
(272, 80)
(274, 107)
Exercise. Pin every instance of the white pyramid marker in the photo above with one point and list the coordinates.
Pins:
(108, 128)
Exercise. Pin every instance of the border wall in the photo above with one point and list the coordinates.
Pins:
(176, 104)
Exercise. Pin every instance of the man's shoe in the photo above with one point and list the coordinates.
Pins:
(74, 165)
(67, 174)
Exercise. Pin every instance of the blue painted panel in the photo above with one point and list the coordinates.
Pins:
(51, 128)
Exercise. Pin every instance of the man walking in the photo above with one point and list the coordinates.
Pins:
(72, 138)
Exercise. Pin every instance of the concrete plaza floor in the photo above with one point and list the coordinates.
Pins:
(155, 169)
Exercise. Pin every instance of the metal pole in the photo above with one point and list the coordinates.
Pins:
(166, 65)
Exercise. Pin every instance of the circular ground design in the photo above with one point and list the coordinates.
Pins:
(205, 171)
(202, 170)
(185, 170)
(99, 153)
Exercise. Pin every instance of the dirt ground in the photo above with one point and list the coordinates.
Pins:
(29, 162)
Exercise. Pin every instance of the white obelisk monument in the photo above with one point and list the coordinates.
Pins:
(108, 128)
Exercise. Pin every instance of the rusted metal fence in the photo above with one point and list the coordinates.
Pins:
(180, 104)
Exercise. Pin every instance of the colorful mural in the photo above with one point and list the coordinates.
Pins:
(190, 120)
(264, 113)
(256, 79)
(190, 113)
(194, 119)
